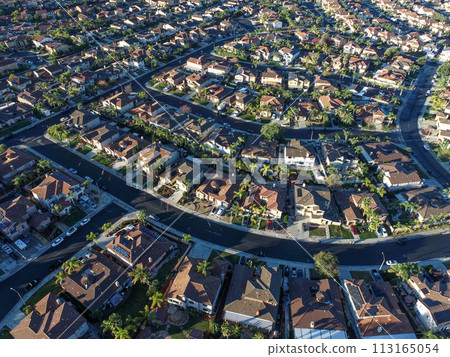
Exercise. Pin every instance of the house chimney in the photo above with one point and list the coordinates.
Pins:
(58, 301)
(312, 324)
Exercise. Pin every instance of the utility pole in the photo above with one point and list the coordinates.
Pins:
(384, 259)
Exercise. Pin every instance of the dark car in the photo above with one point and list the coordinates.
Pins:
(286, 271)
(31, 285)
(401, 241)
(376, 275)
(260, 254)
(242, 260)
(104, 188)
(14, 256)
(56, 265)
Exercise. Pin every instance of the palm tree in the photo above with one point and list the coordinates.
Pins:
(429, 334)
(381, 191)
(157, 299)
(203, 267)
(60, 277)
(235, 210)
(253, 166)
(239, 194)
(106, 226)
(258, 336)
(113, 322)
(122, 333)
(226, 330)
(236, 331)
(147, 315)
(446, 191)
(186, 237)
(70, 265)
(365, 204)
(374, 224)
(266, 169)
(141, 216)
(140, 274)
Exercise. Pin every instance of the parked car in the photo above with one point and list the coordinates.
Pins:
(71, 231)
(269, 225)
(221, 211)
(353, 229)
(391, 262)
(260, 254)
(31, 285)
(401, 241)
(426, 147)
(242, 260)
(57, 241)
(14, 256)
(92, 204)
(383, 232)
(446, 255)
(7, 249)
(286, 271)
(85, 221)
(376, 275)
(293, 272)
(152, 216)
(104, 188)
(55, 266)
(89, 179)
(214, 210)
(73, 171)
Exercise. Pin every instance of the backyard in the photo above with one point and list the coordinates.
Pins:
(194, 322)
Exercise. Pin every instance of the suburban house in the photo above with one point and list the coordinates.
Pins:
(155, 156)
(339, 155)
(139, 244)
(191, 289)
(199, 64)
(57, 189)
(52, 318)
(84, 120)
(13, 162)
(182, 176)
(253, 299)
(352, 205)
(97, 283)
(433, 304)
(272, 198)
(271, 78)
(376, 310)
(289, 54)
(127, 148)
(312, 202)
(295, 153)
(14, 216)
(196, 128)
(219, 190)
(255, 148)
(430, 203)
(400, 176)
(222, 140)
(245, 75)
(122, 102)
(298, 81)
(101, 137)
(316, 309)
(378, 153)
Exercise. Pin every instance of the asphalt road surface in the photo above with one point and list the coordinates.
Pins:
(40, 267)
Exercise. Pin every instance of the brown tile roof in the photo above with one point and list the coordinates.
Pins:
(128, 146)
(317, 302)
(15, 211)
(384, 152)
(219, 188)
(256, 147)
(274, 198)
(94, 283)
(430, 201)
(254, 296)
(400, 173)
(195, 286)
(377, 309)
(49, 321)
(13, 159)
(53, 185)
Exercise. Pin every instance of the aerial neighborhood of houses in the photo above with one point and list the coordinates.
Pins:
(162, 162)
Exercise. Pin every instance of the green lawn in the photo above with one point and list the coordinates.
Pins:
(315, 275)
(232, 258)
(195, 322)
(103, 160)
(48, 287)
(340, 232)
(135, 302)
(319, 232)
(84, 149)
(75, 216)
(200, 101)
(4, 333)
(238, 220)
(442, 153)
(13, 128)
(166, 269)
(247, 117)
(367, 235)
(361, 275)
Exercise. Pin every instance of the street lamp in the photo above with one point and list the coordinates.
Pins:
(382, 263)
(21, 298)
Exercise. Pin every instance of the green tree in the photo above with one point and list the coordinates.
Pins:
(113, 323)
(186, 237)
(326, 264)
(214, 327)
(381, 191)
(258, 336)
(405, 270)
(444, 69)
(157, 299)
(139, 274)
(153, 287)
(106, 226)
(28, 309)
(226, 330)
(60, 277)
(70, 265)
(3, 148)
(203, 267)
(147, 315)
(141, 216)
(272, 131)
(92, 236)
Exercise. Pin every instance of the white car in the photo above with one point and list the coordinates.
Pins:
(71, 231)
(426, 147)
(85, 221)
(221, 211)
(73, 171)
(57, 241)
(7, 249)
(383, 232)
(391, 262)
